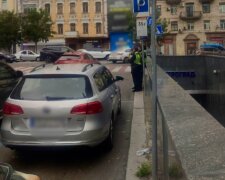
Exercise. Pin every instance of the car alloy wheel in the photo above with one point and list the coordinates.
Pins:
(108, 143)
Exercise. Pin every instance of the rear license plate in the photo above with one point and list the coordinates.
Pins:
(46, 123)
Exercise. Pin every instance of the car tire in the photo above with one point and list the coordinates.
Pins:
(119, 107)
(48, 59)
(114, 62)
(106, 57)
(125, 60)
(108, 143)
(38, 59)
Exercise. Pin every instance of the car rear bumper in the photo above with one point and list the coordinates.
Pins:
(86, 138)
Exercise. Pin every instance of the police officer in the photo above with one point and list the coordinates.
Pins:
(136, 69)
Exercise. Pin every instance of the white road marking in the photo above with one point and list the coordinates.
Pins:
(128, 69)
(116, 69)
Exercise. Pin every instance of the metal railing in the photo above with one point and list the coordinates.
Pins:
(163, 130)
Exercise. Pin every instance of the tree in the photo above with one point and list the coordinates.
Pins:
(37, 26)
(9, 29)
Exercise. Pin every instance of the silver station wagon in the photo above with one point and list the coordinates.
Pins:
(62, 105)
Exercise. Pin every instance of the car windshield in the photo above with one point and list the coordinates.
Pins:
(70, 57)
(54, 87)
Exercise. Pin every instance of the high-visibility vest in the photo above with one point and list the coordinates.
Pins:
(138, 58)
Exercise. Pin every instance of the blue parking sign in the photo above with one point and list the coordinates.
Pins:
(149, 21)
(140, 6)
(159, 29)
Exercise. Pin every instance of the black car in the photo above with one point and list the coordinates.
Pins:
(52, 53)
(8, 79)
(7, 58)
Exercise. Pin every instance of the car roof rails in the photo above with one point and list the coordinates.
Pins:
(39, 67)
(86, 67)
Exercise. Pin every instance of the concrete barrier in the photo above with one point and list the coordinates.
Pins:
(198, 139)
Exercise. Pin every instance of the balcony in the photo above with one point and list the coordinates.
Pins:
(172, 2)
(205, 1)
(71, 34)
(192, 15)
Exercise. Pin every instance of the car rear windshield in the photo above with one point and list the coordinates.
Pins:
(53, 87)
(70, 57)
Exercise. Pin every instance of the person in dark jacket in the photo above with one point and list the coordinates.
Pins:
(136, 69)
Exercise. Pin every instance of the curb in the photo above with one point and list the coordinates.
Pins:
(138, 137)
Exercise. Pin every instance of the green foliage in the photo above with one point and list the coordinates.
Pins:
(144, 170)
(9, 29)
(37, 26)
(175, 171)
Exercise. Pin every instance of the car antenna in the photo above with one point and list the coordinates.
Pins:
(57, 68)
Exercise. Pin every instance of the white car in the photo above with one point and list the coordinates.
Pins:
(97, 54)
(27, 55)
(122, 55)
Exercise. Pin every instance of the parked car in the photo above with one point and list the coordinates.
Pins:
(211, 48)
(62, 105)
(27, 55)
(7, 58)
(52, 53)
(122, 55)
(8, 79)
(97, 53)
(76, 57)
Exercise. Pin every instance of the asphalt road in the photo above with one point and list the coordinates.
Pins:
(81, 163)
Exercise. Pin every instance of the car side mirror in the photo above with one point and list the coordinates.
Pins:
(19, 74)
(119, 78)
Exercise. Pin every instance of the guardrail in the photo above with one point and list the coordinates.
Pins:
(163, 134)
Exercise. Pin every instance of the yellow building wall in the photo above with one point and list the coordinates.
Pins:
(80, 18)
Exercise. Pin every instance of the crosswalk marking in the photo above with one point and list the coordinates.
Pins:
(116, 69)
(128, 69)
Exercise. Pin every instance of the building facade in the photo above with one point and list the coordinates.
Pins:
(8, 5)
(190, 24)
(76, 23)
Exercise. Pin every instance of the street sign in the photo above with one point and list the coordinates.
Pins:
(141, 7)
(149, 21)
(159, 29)
(141, 27)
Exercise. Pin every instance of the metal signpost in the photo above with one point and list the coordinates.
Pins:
(142, 7)
(154, 93)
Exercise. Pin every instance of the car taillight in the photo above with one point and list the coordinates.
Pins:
(88, 108)
(12, 109)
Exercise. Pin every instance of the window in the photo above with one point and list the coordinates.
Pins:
(158, 10)
(53, 88)
(98, 28)
(173, 10)
(29, 7)
(206, 8)
(72, 27)
(222, 7)
(222, 24)
(190, 26)
(85, 7)
(85, 28)
(206, 25)
(72, 8)
(98, 7)
(47, 8)
(103, 79)
(174, 26)
(59, 8)
(60, 28)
